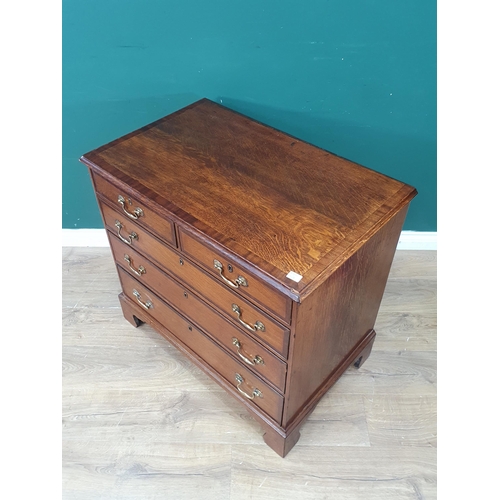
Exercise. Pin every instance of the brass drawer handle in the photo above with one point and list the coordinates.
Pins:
(258, 325)
(139, 271)
(239, 281)
(255, 394)
(132, 236)
(257, 360)
(133, 215)
(147, 305)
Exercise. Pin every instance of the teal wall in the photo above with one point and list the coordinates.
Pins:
(356, 77)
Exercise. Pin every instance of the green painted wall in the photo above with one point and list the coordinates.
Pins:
(356, 77)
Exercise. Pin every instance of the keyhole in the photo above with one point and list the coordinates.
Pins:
(190, 328)
(230, 268)
(185, 295)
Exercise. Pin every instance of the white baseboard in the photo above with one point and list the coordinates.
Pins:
(84, 238)
(417, 240)
(409, 240)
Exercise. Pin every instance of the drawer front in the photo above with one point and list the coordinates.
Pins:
(253, 288)
(261, 360)
(127, 208)
(221, 362)
(130, 233)
(276, 336)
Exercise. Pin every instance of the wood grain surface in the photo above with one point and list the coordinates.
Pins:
(141, 422)
(284, 204)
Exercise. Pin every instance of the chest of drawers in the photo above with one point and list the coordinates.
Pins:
(261, 257)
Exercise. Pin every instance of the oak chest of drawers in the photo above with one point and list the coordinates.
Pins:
(261, 257)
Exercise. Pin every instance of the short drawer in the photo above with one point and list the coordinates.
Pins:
(242, 379)
(240, 345)
(235, 278)
(131, 209)
(129, 232)
(204, 285)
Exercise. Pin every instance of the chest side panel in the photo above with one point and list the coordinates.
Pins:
(337, 315)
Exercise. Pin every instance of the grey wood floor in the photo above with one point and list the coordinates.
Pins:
(141, 422)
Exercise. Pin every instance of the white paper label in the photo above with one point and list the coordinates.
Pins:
(294, 276)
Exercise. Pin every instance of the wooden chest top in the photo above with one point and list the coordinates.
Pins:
(278, 203)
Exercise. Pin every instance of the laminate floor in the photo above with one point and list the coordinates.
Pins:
(141, 422)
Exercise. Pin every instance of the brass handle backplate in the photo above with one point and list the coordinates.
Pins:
(239, 281)
(258, 326)
(133, 215)
(147, 305)
(139, 271)
(132, 236)
(255, 394)
(257, 360)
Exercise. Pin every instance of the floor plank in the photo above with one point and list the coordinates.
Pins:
(402, 420)
(401, 330)
(339, 472)
(414, 264)
(180, 471)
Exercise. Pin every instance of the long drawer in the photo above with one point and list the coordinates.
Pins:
(259, 359)
(273, 334)
(242, 379)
